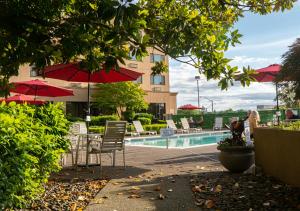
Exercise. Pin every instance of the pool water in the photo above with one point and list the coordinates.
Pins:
(180, 141)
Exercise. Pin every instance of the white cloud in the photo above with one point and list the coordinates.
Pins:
(182, 80)
(278, 44)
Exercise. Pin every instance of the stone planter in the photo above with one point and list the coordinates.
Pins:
(236, 159)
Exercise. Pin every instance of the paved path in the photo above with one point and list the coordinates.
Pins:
(154, 179)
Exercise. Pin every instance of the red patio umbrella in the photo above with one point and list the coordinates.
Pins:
(23, 99)
(40, 88)
(73, 72)
(188, 107)
(268, 74)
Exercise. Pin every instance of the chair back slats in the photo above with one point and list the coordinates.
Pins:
(114, 134)
(185, 123)
(138, 126)
(171, 124)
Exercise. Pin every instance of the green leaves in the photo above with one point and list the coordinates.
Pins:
(31, 141)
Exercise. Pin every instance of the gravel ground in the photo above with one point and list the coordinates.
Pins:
(225, 191)
(69, 190)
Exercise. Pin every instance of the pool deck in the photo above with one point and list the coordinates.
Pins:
(154, 179)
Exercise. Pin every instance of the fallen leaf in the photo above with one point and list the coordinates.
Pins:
(120, 193)
(170, 190)
(79, 209)
(73, 207)
(266, 204)
(236, 185)
(98, 201)
(200, 202)
(81, 198)
(209, 204)
(130, 177)
(135, 188)
(134, 196)
(218, 189)
(161, 196)
(115, 183)
(157, 188)
(198, 188)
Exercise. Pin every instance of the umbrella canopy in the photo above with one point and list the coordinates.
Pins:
(23, 99)
(188, 107)
(267, 74)
(40, 88)
(73, 72)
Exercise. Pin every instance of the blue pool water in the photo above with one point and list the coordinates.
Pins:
(180, 141)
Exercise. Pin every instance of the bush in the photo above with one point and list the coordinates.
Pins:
(31, 142)
(290, 125)
(154, 127)
(145, 115)
(144, 120)
(97, 129)
(100, 120)
(129, 115)
(74, 119)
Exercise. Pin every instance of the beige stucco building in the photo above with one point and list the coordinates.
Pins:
(161, 100)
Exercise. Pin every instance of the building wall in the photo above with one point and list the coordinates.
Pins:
(155, 93)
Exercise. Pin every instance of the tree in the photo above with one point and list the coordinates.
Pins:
(101, 33)
(286, 94)
(289, 76)
(120, 96)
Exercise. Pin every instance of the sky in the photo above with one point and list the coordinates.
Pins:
(265, 39)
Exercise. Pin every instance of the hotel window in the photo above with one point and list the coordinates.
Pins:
(139, 80)
(157, 79)
(34, 72)
(156, 58)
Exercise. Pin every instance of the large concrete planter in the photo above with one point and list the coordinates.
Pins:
(236, 159)
(277, 152)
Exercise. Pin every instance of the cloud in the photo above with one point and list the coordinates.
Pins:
(182, 80)
(283, 43)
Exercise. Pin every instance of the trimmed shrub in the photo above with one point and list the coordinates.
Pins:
(144, 120)
(129, 115)
(154, 127)
(97, 129)
(100, 120)
(145, 115)
(31, 142)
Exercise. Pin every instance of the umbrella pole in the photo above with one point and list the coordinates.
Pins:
(88, 123)
(277, 104)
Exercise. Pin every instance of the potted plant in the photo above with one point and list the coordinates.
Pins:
(235, 155)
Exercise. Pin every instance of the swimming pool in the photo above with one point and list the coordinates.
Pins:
(180, 140)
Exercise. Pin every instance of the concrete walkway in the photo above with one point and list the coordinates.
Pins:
(154, 179)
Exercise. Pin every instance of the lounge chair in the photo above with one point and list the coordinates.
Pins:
(218, 123)
(140, 130)
(186, 126)
(172, 125)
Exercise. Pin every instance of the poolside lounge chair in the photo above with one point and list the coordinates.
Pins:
(218, 123)
(186, 126)
(140, 130)
(172, 125)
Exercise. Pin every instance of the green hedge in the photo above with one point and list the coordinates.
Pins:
(145, 115)
(290, 126)
(101, 120)
(31, 142)
(130, 128)
(209, 118)
(144, 120)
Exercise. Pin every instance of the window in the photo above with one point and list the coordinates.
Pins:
(156, 58)
(132, 57)
(34, 72)
(139, 80)
(157, 79)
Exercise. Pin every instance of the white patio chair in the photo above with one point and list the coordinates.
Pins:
(140, 130)
(172, 125)
(218, 123)
(186, 126)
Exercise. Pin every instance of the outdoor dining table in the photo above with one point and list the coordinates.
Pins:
(82, 137)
